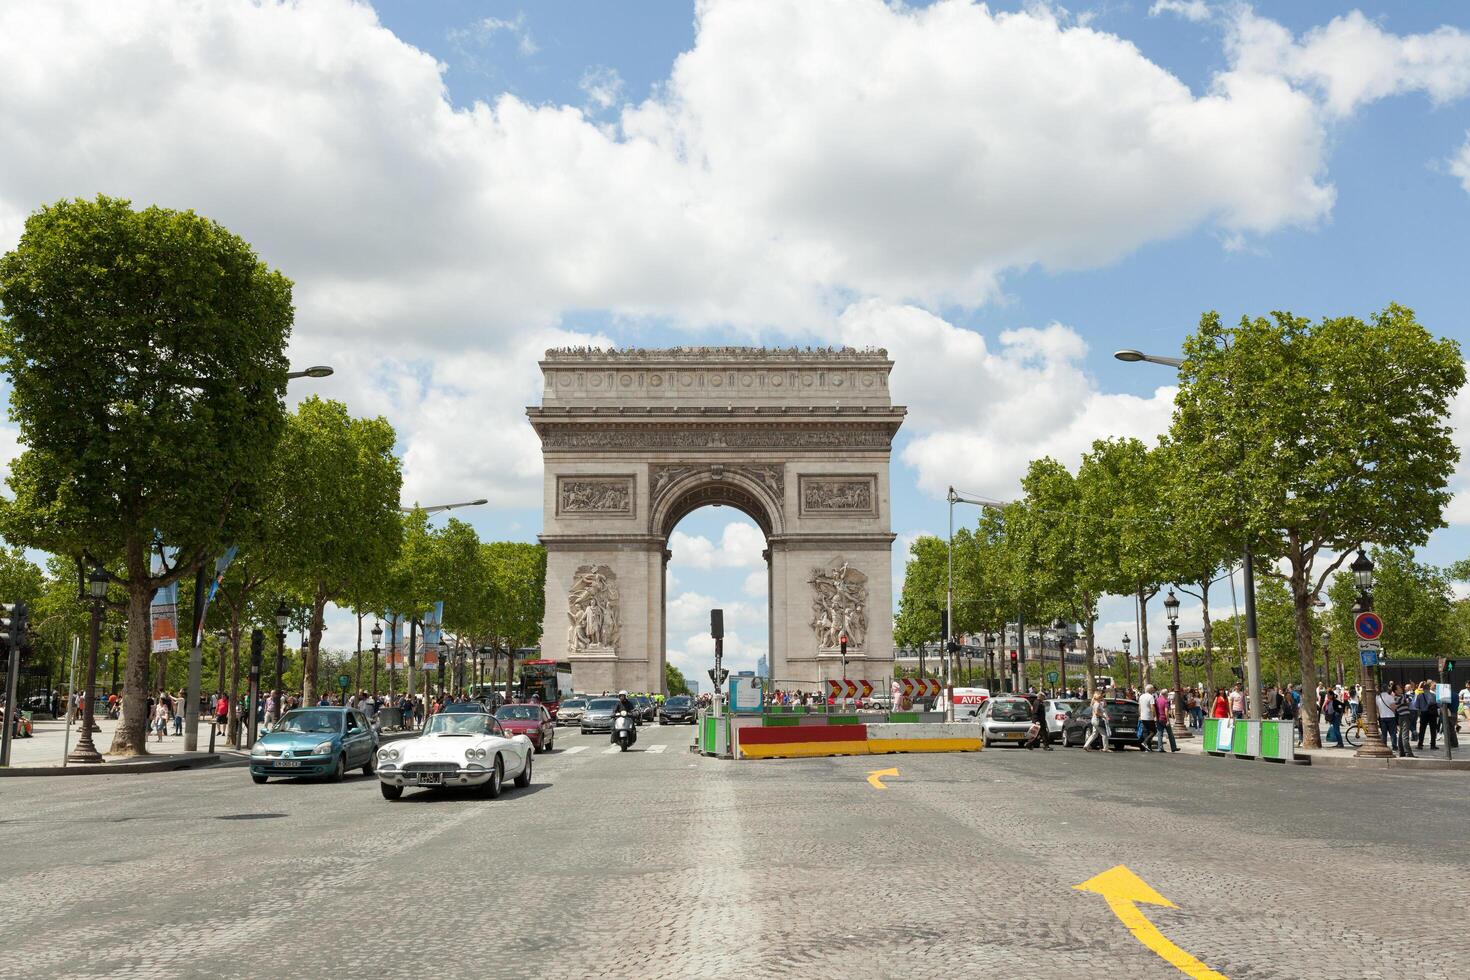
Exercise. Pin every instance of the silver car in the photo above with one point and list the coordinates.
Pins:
(1057, 710)
(1005, 720)
(598, 715)
(569, 712)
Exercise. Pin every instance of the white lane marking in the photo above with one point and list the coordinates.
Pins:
(657, 748)
(611, 749)
(574, 750)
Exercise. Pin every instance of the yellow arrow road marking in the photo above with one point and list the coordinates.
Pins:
(875, 778)
(1124, 890)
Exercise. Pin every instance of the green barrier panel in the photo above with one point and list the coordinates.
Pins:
(779, 721)
(843, 720)
(707, 742)
(904, 717)
(1277, 738)
(1238, 738)
(1211, 734)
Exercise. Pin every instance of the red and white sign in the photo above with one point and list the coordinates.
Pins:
(849, 688)
(920, 687)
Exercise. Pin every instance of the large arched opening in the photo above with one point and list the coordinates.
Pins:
(716, 528)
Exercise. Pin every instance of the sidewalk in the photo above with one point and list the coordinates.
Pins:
(1423, 761)
(42, 755)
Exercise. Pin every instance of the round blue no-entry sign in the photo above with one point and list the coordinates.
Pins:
(1368, 625)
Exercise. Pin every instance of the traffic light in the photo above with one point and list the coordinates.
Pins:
(15, 620)
(944, 623)
(843, 640)
(1447, 665)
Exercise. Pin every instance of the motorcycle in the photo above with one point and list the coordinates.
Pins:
(624, 730)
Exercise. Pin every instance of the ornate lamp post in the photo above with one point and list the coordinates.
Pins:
(377, 645)
(283, 616)
(86, 752)
(117, 638)
(1372, 747)
(1127, 664)
(1326, 657)
(1171, 609)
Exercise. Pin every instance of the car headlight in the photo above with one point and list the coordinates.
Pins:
(257, 749)
(474, 753)
(324, 748)
(388, 755)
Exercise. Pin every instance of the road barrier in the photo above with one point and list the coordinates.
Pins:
(1247, 739)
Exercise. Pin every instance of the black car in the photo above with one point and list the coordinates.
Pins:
(679, 710)
(1122, 724)
(644, 707)
(465, 708)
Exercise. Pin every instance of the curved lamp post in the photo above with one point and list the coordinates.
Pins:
(377, 647)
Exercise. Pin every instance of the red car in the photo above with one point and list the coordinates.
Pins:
(530, 720)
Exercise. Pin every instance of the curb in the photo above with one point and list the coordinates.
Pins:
(183, 760)
(226, 759)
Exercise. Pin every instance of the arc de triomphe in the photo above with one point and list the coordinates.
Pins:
(799, 440)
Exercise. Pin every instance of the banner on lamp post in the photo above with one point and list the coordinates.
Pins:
(163, 611)
(433, 636)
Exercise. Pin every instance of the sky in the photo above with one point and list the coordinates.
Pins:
(1001, 195)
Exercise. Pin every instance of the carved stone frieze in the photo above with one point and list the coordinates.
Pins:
(592, 609)
(839, 496)
(604, 496)
(855, 435)
(839, 605)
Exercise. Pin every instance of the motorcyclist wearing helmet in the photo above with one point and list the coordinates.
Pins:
(625, 706)
(625, 703)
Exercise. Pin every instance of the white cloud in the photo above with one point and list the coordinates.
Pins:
(696, 655)
(484, 30)
(740, 546)
(1352, 60)
(772, 180)
(1191, 10)
(603, 87)
(977, 416)
(757, 585)
(1459, 165)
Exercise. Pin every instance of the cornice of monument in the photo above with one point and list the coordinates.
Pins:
(716, 355)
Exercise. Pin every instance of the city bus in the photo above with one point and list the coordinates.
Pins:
(550, 680)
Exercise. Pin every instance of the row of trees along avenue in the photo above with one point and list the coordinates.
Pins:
(1305, 438)
(146, 353)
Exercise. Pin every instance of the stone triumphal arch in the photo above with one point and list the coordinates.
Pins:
(799, 440)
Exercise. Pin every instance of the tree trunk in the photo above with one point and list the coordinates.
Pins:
(1091, 683)
(357, 657)
(1208, 632)
(232, 728)
(1302, 601)
(131, 736)
(313, 649)
(1145, 670)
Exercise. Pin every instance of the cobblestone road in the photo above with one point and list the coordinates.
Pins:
(659, 863)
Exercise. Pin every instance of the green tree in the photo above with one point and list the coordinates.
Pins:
(922, 598)
(340, 508)
(674, 682)
(146, 356)
(1319, 436)
(518, 571)
(1414, 600)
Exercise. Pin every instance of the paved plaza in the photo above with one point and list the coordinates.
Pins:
(660, 863)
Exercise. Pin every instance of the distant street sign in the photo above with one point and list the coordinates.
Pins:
(1051, 677)
(1369, 645)
(1369, 657)
(344, 681)
(718, 675)
(1368, 625)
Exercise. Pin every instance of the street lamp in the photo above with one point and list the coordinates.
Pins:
(117, 638)
(315, 371)
(283, 617)
(1247, 572)
(438, 508)
(377, 646)
(86, 752)
(1127, 666)
(1171, 609)
(954, 498)
(1373, 746)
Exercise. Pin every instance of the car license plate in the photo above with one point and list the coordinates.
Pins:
(287, 764)
(1012, 734)
(431, 777)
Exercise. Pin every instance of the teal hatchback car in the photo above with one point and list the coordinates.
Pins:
(316, 742)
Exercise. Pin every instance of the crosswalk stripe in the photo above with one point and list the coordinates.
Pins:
(574, 750)
(657, 748)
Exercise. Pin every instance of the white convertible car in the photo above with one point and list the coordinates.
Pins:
(456, 749)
